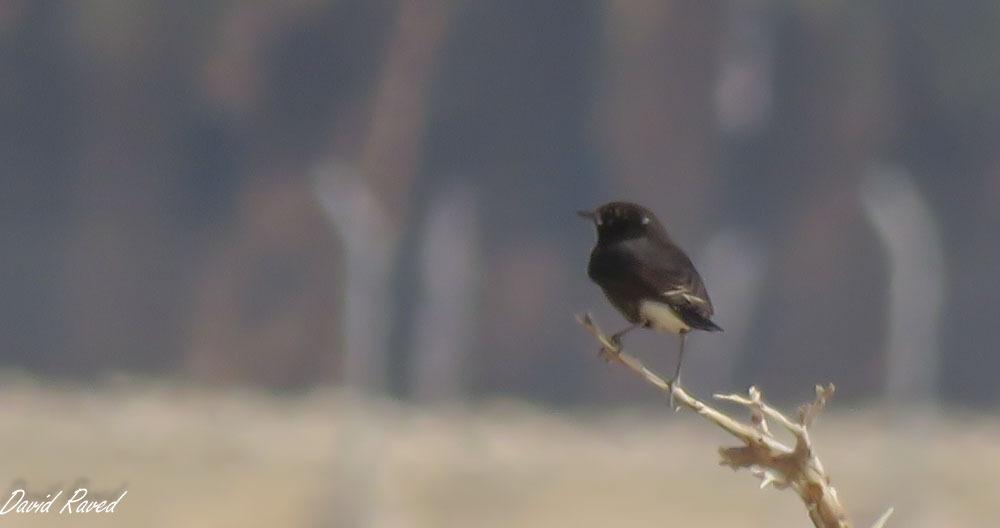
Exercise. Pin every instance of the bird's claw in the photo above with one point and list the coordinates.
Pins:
(674, 385)
(611, 354)
(607, 354)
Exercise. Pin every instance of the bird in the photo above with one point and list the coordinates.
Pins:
(646, 276)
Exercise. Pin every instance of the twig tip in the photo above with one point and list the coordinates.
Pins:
(880, 523)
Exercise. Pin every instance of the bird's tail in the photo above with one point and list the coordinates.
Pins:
(702, 323)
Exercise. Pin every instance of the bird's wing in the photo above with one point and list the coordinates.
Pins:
(666, 272)
(681, 288)
(685, 294)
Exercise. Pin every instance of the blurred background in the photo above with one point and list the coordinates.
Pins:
(315, 262)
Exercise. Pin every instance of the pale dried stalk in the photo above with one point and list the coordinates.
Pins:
(766, 457)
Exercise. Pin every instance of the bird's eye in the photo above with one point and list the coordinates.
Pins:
(645, 220)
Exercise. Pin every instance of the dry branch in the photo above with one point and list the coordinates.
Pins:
(783, 467)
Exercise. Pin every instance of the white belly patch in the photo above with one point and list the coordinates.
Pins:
(661, 317)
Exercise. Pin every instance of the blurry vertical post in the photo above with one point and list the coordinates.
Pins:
(368, 239)
(369, 245)
(735, 262)
(449, 255)
(906, 226)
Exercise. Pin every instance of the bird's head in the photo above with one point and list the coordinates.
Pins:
(622, 220)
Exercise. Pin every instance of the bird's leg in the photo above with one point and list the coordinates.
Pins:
(616, 339)
(676, 381)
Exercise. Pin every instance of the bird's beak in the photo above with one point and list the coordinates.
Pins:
(589, 215)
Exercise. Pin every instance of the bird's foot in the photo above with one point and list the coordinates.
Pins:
(675, 385)
(608, 354)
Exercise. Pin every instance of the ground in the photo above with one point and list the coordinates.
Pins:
(192, 457)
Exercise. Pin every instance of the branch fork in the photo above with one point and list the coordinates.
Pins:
(776, 464)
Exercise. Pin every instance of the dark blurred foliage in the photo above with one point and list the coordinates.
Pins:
(159, 211)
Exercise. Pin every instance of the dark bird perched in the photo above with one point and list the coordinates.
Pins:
(646, 276)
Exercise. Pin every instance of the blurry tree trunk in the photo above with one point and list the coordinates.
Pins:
(656, 111)
(830, 122)
(392, 151)
(132, 239)
(394, 147)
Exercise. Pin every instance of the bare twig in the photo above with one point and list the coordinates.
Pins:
(765, 456)
(880, 523)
